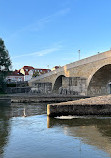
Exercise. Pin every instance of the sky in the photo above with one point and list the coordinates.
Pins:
(46, 33)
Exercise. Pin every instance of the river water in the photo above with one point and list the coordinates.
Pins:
(27, 132)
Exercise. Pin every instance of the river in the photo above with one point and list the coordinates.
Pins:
(27, 132)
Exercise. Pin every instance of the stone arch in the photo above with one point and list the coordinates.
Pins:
(99, 82)
(58, 83)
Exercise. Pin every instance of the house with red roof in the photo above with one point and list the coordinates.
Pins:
(25, 71)
(39, 71)
(14, 76)
(55, 67)
(29, 71)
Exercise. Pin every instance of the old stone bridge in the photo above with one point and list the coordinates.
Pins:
(89, 76)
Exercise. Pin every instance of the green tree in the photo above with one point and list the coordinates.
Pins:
(36, 74)
(5, 64)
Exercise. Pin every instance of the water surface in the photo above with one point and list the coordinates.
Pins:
(27, 132)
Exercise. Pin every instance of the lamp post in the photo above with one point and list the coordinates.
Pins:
(79, 54)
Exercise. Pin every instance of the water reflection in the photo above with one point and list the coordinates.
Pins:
(92, 131)
(25, 110)
(15, 110)
(4, 126)
(24, 135)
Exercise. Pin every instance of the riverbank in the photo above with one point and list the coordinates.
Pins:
(5, 100)
(36, 98)
(90, 106)
(29, 98)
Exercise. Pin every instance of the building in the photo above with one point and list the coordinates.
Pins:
(25, 71)
(55, 67)
(38, 71)
(29, 71)
(14, 76)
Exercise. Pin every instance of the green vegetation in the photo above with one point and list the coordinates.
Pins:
(36, 74)
(5, 64)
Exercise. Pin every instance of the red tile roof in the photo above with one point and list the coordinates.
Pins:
(15, 73)
(28, 68)
(25, 68)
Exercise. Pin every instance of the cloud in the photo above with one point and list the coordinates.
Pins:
(62, 12)
(39, 24)
(38, 53)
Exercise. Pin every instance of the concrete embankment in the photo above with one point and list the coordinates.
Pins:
(27, 98)
(91, 106)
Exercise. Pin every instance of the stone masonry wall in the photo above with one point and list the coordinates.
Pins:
(73, 85)
(42, 88)
(11, 90)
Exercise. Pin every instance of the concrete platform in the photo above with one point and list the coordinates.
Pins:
(36, 98)
(91, 106)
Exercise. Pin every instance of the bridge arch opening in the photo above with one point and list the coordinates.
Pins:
(100, 83)
(58, 84)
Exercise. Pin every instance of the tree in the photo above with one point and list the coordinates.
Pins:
(36, 74)
(5, 63)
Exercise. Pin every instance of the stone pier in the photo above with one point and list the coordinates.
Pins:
(91, 106)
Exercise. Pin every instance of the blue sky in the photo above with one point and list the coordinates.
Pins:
(50, 32)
